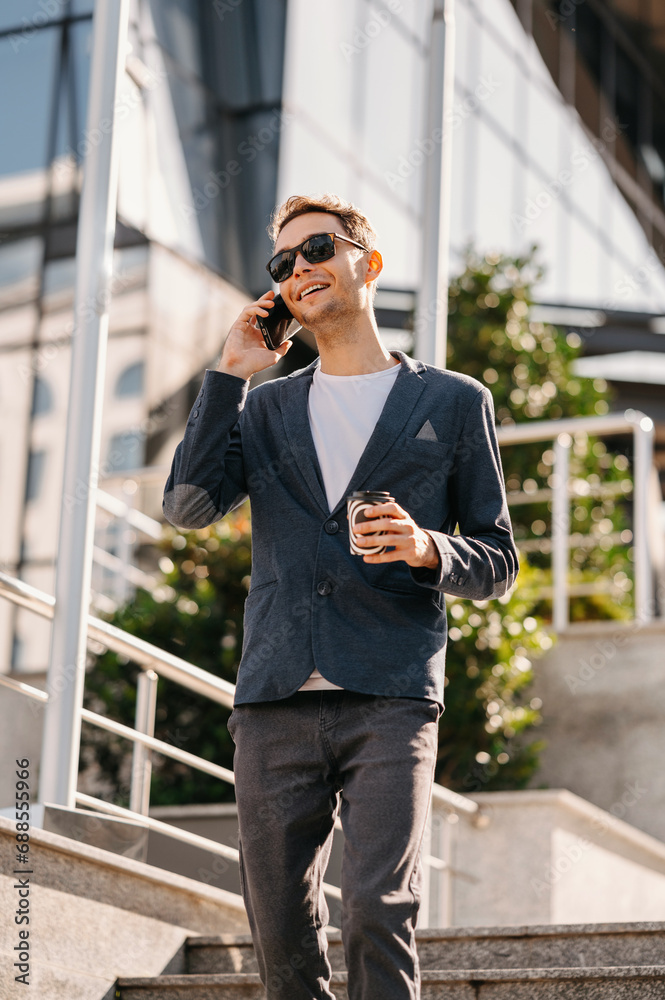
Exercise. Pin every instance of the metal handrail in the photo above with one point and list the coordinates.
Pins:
(151, 658)
(454, 801)
(561, 433)
(100, 805)
(136, 518)
(163, 663)
(135, 649)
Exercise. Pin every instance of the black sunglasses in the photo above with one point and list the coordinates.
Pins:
(315, 249)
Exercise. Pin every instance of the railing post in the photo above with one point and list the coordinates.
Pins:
(146, 703)
(124, 550)
(432, 304)
(425, 852)
(94, 264)
(560, 532)
(643, 460)
(449, 830)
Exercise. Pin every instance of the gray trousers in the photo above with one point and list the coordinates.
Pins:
(294, 759)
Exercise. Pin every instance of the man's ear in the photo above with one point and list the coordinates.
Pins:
(374, 265)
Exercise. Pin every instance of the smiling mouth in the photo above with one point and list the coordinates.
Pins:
(311, 290)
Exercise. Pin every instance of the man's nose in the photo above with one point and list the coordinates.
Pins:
(301, 264)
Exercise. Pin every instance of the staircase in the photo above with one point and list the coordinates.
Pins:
(566, 962)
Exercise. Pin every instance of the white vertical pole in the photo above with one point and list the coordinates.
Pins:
(424, 912)
(124, 550)
(146, 704)
(94, 262)
(449, 833)
(560, 532)
(432, 312)
(643, 462)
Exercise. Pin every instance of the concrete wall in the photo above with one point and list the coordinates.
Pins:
(21, 723)
(220, 823)
(603, 692)
(548, 857)
(95, 916)
(532, 857)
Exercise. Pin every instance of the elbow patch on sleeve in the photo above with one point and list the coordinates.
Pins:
(190, 506)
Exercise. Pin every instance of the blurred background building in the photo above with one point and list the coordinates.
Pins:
(228, 107)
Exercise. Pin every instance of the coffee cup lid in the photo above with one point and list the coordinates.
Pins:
(369, 495)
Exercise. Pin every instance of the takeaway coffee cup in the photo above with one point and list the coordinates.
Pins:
(356, 505)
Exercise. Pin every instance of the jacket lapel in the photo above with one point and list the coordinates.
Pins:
(294, 395)
(398, 407)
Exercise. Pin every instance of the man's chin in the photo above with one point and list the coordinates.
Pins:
(319, 318)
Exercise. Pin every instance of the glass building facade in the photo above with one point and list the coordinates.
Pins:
(199, 125)
(529, 165)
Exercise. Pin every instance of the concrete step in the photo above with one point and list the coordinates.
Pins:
(625, 983)
(549, 946)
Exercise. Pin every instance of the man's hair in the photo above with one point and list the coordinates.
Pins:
(355, 224)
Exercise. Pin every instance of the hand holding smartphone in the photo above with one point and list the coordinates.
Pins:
(242, 356)
(278, 326)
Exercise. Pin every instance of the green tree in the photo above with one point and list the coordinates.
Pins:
(487, 732)
(528, 365)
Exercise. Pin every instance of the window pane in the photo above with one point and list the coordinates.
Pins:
(176, 26)
(495, 91)
(20, 261)
(244, 51)
(29, 74)
(35, 477)
(59, 275)
(130, 382)
(42, 397)
(493, 201)
(589, 40)
(26, 17)
(126, 451)
(627, 95)
(81, 47)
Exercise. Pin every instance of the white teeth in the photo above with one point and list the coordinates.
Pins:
(312, 288)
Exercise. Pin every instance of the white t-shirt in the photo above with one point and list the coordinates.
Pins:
(343, 411)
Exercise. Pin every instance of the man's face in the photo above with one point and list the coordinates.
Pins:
(343, 277)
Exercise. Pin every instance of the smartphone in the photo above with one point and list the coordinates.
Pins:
(278, 325)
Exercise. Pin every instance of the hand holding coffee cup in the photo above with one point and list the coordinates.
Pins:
(402, 538)
(357, 505)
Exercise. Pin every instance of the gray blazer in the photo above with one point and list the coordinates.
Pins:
(378, 629)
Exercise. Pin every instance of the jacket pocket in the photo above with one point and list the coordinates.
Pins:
(437, 451)
(261, 586)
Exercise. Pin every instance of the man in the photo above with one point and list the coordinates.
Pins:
(340, 684)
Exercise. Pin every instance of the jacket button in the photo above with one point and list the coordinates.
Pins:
(324, 588)
(332, 527)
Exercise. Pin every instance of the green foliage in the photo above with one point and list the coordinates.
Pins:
(526, 364)
(528, 368)
(482, 738)
(486, 733)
